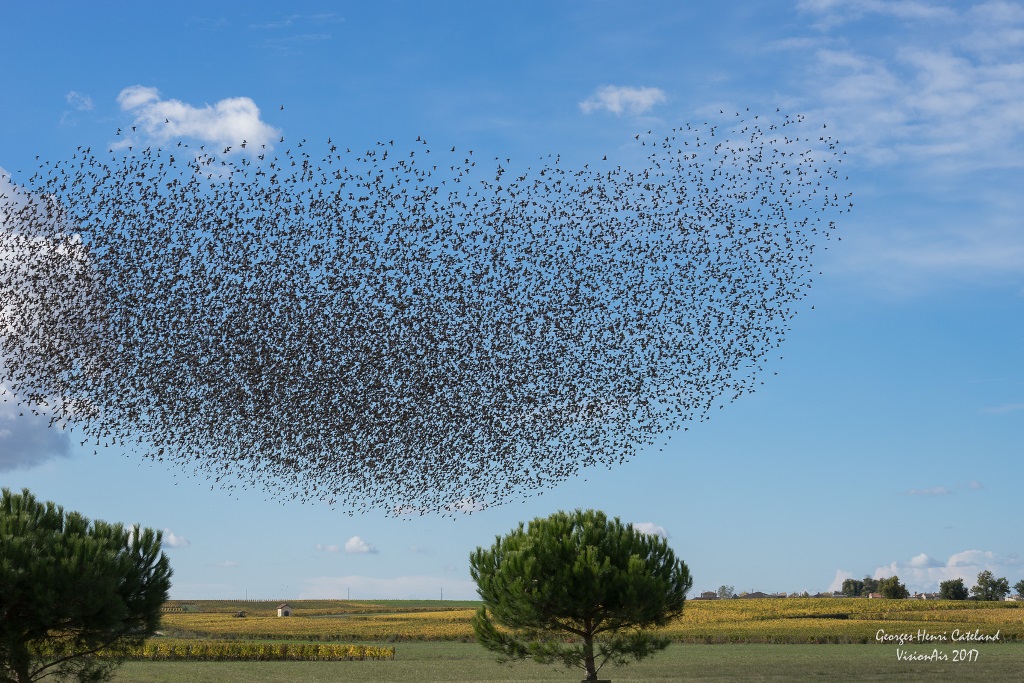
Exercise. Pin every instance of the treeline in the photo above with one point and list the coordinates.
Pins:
(987, 587)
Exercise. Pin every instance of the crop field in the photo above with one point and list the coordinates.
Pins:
(731, 640)
(772, 620)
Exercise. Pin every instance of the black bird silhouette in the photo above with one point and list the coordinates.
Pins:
(378, 332)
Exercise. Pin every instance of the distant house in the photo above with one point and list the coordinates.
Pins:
(708, 595)
(755, 594)
(874, 595)
(926, 596)
(284, 610)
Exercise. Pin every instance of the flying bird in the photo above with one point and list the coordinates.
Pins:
(383, 333)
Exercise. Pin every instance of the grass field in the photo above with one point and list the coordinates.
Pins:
(449, 662)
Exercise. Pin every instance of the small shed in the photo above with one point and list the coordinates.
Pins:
(284, 610)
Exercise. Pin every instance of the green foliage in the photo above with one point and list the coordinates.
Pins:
(577, 589)
(870, 586)
(853, 588)
(726, 592)
(70, 588)
(892, 588)
(1019, 587)
(953, 589)
(990, 588)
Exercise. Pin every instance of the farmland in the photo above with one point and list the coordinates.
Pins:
(789, 621)
(756, 640)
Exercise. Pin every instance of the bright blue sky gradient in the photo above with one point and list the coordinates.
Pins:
(888, 442)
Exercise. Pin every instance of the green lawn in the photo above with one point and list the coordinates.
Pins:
(467, 663)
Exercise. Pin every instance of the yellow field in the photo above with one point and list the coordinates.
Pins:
(166, 649)
(786, 620)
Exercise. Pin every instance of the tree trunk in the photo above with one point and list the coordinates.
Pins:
(588, 653)
(20, 664)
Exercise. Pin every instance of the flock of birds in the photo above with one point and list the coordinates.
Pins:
(411, 330)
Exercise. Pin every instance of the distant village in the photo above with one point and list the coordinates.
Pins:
(712, 595)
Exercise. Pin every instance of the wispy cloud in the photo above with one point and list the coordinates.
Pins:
(357, 545)
(291, 33)
(945, 91)
(972, 485)
(229, 122)
(622, 99)
(830, 13)
(292, 20)
(330, 548)
(173, 540)
(79, 101)
(651, 529)
(932, 491)
(934, 93)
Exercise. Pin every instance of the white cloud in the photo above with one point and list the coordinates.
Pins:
(947, 92)
(922, 560)
(936, 95)
(358, 545)
(173, 540)
(651, 529)
(837, 582)
(396, 588)
(227, 123)
(332, 548)
(135, 96)
(834, 12)
(932, 491)
(35, 301)
(923, 573)
(619, 99)
(79, 101)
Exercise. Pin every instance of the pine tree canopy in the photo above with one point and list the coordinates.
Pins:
(71, 588)
(579, 589)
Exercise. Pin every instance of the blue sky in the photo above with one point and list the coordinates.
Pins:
(889, 440)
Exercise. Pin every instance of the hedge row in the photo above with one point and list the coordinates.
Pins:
(230, 650)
